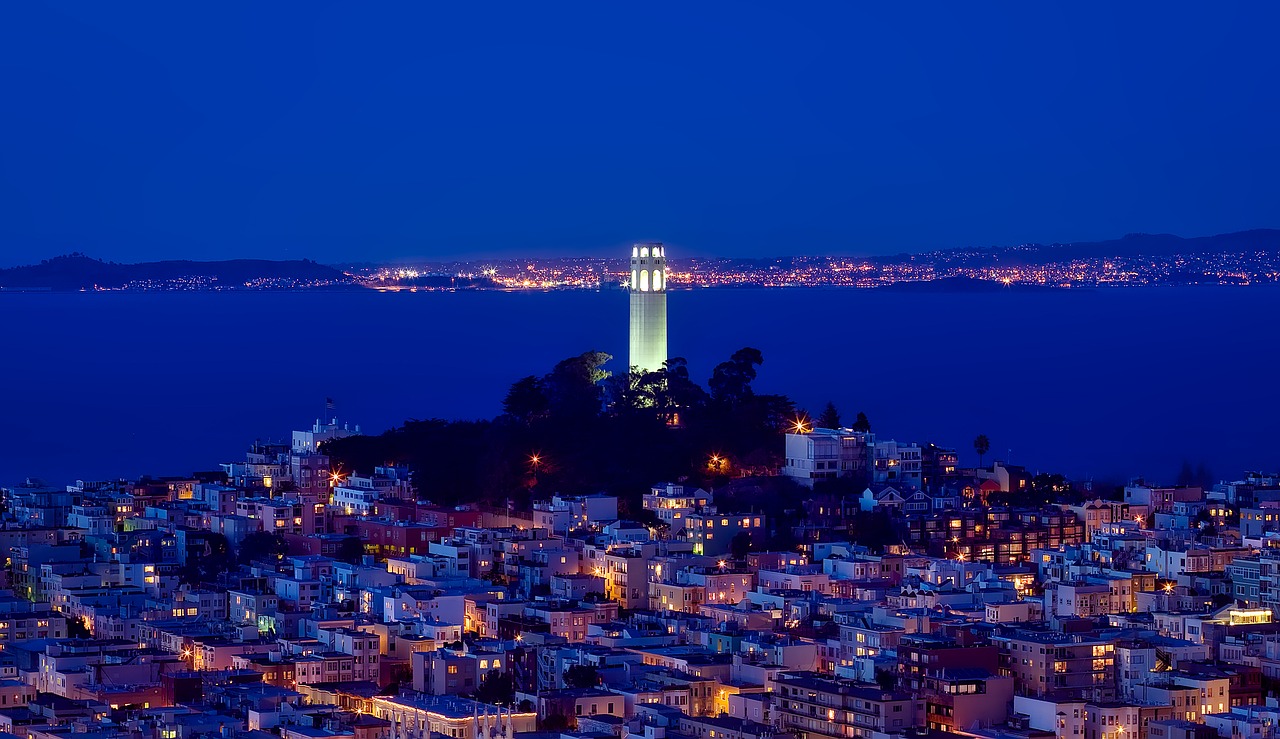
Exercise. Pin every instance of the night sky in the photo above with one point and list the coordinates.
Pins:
(377, 131)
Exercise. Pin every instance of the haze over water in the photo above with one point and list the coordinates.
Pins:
(1104, 383)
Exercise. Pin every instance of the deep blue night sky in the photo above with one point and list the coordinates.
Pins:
(378, 131)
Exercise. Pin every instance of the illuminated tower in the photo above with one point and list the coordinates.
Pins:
(648, 306)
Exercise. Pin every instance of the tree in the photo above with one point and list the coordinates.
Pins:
(78, 628)
(874, 528)
(526, 400)
(582, 676)
(862, 424)
(647, 518)
(350, 550)
(262, 545)
(1204, 478)
(495, 574)
(830, 417)
(573, 386)
(1199, 476)
(554, 722)
(887, 681)
(981, 445)
(730, 381)
(739, 545)
(637, 391)
(679, 394)
(215, 559)
(497, 688)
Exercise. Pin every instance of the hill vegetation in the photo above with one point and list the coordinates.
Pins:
(579, 429)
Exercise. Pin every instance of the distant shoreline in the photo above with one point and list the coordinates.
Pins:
(1244, 258)
(983, 287)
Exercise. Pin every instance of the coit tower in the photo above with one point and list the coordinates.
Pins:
(648, 288)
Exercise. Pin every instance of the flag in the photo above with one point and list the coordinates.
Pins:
(328, 404)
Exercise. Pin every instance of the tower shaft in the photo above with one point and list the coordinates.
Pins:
(648, 287)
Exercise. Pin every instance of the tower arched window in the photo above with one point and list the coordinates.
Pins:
(635, 252)
(644, 251)
(644, 280)
(634, 279)
(657, 280)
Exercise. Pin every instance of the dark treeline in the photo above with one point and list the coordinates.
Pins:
(581, 429)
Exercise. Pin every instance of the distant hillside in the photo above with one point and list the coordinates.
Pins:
(1135, 245)
(76, 272)
(1132, 245)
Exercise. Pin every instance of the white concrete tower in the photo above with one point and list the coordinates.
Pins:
(648, 306)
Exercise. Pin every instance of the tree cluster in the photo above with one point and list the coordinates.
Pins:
(218, 557)
(581, 429)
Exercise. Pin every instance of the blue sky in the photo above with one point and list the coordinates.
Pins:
(381, 131)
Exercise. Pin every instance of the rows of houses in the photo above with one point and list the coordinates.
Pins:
(277, 597)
